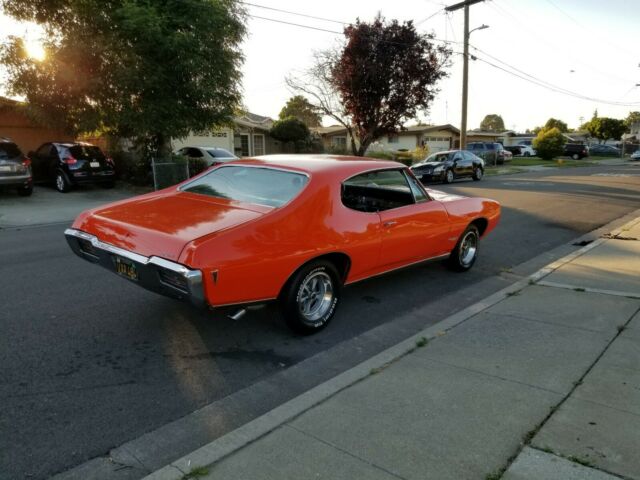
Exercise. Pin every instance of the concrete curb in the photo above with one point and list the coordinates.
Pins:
(253, 430)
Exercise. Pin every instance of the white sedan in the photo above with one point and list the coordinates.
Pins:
(211, 155)
(527, 151)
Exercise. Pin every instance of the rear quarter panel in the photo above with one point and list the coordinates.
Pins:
(253, 261)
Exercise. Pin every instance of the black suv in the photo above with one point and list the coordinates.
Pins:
(70, 164)
(575, 150)
(15, 168)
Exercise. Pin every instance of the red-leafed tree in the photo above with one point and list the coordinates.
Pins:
(383, 76)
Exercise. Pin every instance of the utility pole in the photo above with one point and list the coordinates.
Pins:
(465, 66)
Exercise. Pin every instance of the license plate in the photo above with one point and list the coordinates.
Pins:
(6, 168)
(95, 164)
(126, 269)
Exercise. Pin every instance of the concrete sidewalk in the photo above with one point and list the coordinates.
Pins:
(540, 383)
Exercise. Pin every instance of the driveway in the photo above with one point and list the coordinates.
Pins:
(47, 205)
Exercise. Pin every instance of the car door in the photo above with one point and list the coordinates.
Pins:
(461, 167)
(413, 230)
(39, 163)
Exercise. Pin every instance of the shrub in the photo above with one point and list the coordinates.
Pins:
(549, 143)
(196, 166)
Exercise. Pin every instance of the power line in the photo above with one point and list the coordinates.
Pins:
(429, 17)
(296, 24)
(294, 13)
(542, 83)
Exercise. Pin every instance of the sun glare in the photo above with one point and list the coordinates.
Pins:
(35, 50)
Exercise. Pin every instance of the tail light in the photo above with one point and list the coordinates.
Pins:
(70, 160)
(26, 162)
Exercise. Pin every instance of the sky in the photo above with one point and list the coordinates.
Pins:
(590, 48)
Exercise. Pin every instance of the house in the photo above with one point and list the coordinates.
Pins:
(247, 137)
(483, 136)
(437, 137)
(25, 132)
(510, 138)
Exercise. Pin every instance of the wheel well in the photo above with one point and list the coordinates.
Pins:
(481, 224)
(341, 261)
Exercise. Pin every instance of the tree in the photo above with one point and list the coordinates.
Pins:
(555, 123)
(549, 143)
(300, 108)
(290, 129)
(604, 128)
(385, 73)
(492, 123)
(632, 118)
(140, 69)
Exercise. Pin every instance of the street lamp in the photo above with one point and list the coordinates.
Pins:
(481, 27)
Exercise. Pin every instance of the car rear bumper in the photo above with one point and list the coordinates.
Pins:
(15, 180)
(153, 273)
(82, 177)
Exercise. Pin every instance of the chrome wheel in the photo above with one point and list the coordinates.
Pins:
(468, 248)
(60, 183)
(449, 176)
(315, 296)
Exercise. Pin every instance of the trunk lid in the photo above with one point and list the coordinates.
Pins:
(162, 224)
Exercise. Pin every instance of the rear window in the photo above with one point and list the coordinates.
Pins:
(86, 152)
(264, 186)
(9, 150)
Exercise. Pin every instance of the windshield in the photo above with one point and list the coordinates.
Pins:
(264, 186)
(219, 153)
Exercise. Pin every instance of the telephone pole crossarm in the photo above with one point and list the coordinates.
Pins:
(458, 6)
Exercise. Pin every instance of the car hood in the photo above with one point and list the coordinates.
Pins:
(443, 196)
(428, 165)
(162, 225)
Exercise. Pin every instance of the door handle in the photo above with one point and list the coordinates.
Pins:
(390, 223)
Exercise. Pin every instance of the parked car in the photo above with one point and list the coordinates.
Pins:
(527, 151)
(516, 150)
(635, 155)
(291, 229)
(15, 168)
(71, 164)
(447, 166)
(211, 155)
(575, 150)
(491, 153)
(604, 150)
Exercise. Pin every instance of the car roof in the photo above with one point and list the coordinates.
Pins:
(316, 163)
(72, 144)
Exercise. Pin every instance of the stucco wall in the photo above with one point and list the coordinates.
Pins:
(28, 136)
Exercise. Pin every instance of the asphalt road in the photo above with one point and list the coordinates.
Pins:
(89, 362)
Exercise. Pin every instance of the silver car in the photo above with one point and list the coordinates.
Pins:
(211, 155)
(15, 168)
(635, 155)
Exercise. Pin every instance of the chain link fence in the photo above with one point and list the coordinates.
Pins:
(168, 172)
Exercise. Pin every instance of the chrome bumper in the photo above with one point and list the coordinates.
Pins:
(154, 273)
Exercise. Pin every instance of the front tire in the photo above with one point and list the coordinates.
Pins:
(465, 252)
(477, 174)
(527, 154)
(311, 296)
(448, 176)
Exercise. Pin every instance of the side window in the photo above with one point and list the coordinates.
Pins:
(44, 150)
(468, 156)
(417, 191)
(377, 191)
(457, 156)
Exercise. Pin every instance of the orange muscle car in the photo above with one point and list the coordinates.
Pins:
(292, 228)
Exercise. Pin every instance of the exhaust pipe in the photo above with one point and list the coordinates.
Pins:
(238, 314)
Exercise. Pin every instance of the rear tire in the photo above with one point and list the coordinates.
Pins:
(310, 298)
(25, 191)
(465, 252)
(575, 156)
(63, 185)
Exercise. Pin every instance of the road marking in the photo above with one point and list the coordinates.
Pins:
(615, 174)
(524, 182)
